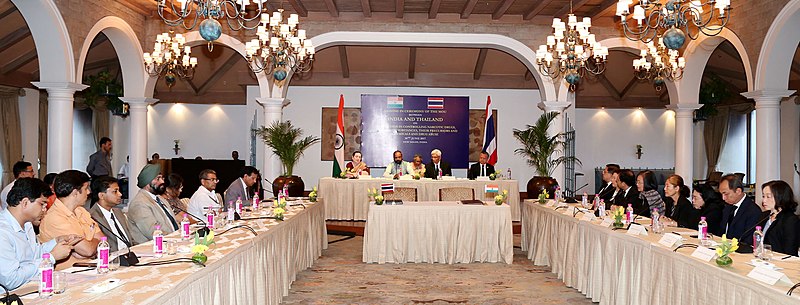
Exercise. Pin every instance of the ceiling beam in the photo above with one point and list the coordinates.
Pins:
(501, 9)
(366, 8)
(603, 8)
(795, 68)
(343, 61)
(730, 84)
(730, 50)
(332, 8)
(399, 6)
(412, 61)
(299, 8)
(189, 84)
(632, 83)
(726, 73)
(609, 87)
(99, 39)
(536, 9)
(8, 11)
(138, 8)
(476, 75)
(14, 37)
(434, 9)
(649, 102)
(100, 64)
(528, 75)
(468, 8)
(17, 79)
(564, 11)
(18, 62)
(218, 73)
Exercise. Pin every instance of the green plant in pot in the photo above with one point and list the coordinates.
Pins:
(543, 152)
(287, 142)
(104, 92)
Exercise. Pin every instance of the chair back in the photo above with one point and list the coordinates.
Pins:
(402, 193)
(456, 194)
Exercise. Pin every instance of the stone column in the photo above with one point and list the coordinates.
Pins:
(60, 101)
(768, 134)
(138, 138)
(684, 140)
(556, 127)
(273, 112)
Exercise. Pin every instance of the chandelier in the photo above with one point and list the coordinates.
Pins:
(189, 12)
(674, 20)
(659, 63)
(280, 48)
(171, 58)
(571, 51)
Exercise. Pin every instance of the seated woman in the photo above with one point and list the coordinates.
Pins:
(709, 204)
(356, 167)
(782, 227)
(679, 208)
(648, 193)
(418, 166)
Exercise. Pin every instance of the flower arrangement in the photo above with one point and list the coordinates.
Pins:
(495, 175)
(201, 246)
(313, 195)
(376, 195)
(416, 176)
(279, 208)
(724, 250)
(501, 197)
(343, 175)
(618, 214)
(543, 197)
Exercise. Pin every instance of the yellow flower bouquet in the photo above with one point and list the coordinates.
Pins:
(279, 208)
(543, 197)
(313, 195)
(618, 214)
(201, 246)
(375, 195)
(724, 250)
(501, 197)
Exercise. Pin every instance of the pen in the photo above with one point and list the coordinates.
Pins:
(786, 257)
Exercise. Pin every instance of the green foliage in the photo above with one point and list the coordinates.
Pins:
(539, 148)
(712, 92)
(103, 88)
(285, 141)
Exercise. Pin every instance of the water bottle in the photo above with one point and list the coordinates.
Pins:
(508, 172)
(656, 226)
(555, 194)
(102, 255)
(46, 277)
(239, 205)
(256, 202)
(758, 243)
(185, 227)
(210, 215)
(231, 211)
(158, 242)
(601, 208)
(440, 173)
(702, 232)
(585, 201)
(629, 214)
(286, 190)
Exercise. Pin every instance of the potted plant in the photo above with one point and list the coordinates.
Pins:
(286, 143)
(105, 90)
(541, 151)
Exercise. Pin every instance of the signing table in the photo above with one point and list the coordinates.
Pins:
(241, 268)
(438, 232)
(346, 199)
(612, 267)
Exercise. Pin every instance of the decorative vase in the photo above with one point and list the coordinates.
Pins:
(200, 258)
(724, 261)
(312, 198)
(378, 202)
(538, 184)
(498, 202)
(296, 185)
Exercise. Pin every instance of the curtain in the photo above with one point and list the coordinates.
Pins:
(43, 108)
(99, 124)
(716, 131)
(11, 145)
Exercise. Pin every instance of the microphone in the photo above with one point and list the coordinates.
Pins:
(562, 206)
(270, 188)
(127, 259)
(202, 231)
(795, 285)
(239, 226)
(685, 246)
(578, 210)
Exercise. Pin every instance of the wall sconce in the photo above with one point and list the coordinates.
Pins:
(177, 147)
(639, 152)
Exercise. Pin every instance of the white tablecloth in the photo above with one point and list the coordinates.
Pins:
(438, 232)
(346, 199)
(612, 267)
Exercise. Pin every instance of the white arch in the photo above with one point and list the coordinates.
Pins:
(129, 53)
(445, 40)
(697, 54)
(777, 51)
(50, 34)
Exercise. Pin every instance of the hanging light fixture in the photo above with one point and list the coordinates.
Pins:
(571, 51)
(659, 63)
(281, 47)
(673, 20)
(189, 12)
(170, 58)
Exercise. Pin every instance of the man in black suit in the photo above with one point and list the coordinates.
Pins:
(432, 169)
(481, 168)
(607, 191)
(740, 214)
(629, 194)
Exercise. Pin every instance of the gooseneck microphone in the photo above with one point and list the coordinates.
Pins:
(127, 259)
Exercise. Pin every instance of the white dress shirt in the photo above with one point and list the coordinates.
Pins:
(21, 253)
(107, 214)
(4, 195)
(202, 199)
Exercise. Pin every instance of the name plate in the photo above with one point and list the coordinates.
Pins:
(448, 178)
(406, 177)
(635, 230)
(607, 222)
(551, 203)
(768, 276)
(704, 254)
(570, 211)
(670, 240)
(482, 178)
(588, 216)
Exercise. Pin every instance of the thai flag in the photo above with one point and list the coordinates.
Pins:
(492, 188)
(435, 103)
(489, 139)
(387, 187)
(394, 102)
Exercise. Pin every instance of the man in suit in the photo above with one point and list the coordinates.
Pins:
(114, 223)
(238, 188)
(628, 193)
(100, 161)
(432, 169)
(608, 190)
(740, 214)
(147, 209)
(482, 168)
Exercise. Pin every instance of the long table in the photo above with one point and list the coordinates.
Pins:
(346, 199)
(438, 232)
(241, 268)
(611, 267)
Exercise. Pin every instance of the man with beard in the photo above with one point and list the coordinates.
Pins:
(147, 209)
(399, 167)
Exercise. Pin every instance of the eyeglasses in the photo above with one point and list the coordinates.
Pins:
(214, 180)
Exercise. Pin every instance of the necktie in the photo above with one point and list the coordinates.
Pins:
(169, 215)
(119, 229)
(483, 170)
(730, 218)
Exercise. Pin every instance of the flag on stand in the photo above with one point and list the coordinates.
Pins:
(492, 188)
(489, 139)
(338, 143)
(387, 187)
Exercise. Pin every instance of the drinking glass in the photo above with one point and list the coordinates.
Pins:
(113, 264)
(59, 282)
(767, 255)
(172, 247)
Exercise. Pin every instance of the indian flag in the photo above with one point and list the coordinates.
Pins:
(492, 188)
(394, 102)
(338, 144)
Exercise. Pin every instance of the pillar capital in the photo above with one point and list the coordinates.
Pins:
(684, 107)
(60, 88)
(768, 97)
(557, 106)
(270, 102)
(136, 101)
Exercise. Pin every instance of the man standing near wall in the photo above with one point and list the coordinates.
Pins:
(100, 161)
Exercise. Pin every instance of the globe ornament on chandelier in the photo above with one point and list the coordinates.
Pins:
(660, 64)
(673, 20)
(571, 52)
(280, 48)
(188, 12)
(170, 58)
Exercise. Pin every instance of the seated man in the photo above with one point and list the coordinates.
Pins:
(21, 169)
(432, 169)
(238, 188)
(397, 168)
(740, 214)
(608, 190)
(205, 196)
(106, 196)
(67, 215)
(629, 194)
(147, 209)
(482, 168)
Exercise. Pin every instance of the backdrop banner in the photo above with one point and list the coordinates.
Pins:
(415, 125)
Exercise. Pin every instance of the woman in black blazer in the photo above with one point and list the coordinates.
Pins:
(706, 202)
(679, 208)
(781, 230)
